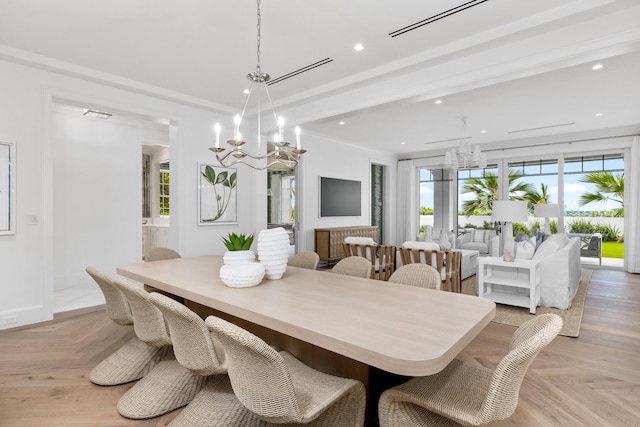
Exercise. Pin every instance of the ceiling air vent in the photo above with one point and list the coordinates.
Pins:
(299, 71)
(541, 127)
(437, 17)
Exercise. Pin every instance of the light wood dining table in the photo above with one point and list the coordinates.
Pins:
(338, 324)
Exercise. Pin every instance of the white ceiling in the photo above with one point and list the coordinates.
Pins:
(504, 65)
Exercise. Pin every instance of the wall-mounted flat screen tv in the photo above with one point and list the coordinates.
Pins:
(340, 197)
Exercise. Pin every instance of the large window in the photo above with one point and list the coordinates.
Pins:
(435, 199)
(594, 185)
(477, 189)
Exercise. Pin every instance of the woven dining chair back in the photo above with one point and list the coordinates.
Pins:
(147, 319)
(421, 275)
(159, 254)
(192, 343)
(258, 373)
(194, 348)
(354, 266)
(466, 393)
(116, 304)
(169, 385)
(280, 389)
(306, 259)
(135, 358)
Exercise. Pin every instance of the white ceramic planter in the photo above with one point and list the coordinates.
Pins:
(235, 257)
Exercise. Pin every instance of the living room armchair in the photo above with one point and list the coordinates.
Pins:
(487, 242)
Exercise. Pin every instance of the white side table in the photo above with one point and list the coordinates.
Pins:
(510, 276)
(469, 263)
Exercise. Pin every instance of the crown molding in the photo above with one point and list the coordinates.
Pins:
(49, 64)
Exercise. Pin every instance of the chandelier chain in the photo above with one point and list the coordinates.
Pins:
(258, 39)
(281, 155)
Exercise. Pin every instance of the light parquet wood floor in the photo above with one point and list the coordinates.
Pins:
(593, 380)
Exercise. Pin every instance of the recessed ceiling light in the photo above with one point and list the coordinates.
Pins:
(246, 91)
(358, 47)
(341, 123)
(597, 67)
(483, 131)
(438, 101)
(402, 143)
(599, 114)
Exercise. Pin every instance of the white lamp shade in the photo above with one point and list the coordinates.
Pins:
(549, 210)
(509, 211)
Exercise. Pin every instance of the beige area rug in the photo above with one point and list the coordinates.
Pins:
(515, 316)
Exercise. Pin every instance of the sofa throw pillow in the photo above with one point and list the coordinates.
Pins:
(444, 242)
(551, 245)
(478, 236)
(525, 248)
(521, 237)
(360, 240)
(561, 239)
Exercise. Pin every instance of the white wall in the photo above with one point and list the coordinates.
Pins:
(35, 255)
(336, 159)
(96, 192)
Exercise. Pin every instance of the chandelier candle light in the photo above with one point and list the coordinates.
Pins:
(281, 154)
(465, 157)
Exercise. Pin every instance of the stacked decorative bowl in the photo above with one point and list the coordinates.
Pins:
(273, 251)
(242, 274)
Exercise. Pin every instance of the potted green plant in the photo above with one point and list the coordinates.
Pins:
(238, 248)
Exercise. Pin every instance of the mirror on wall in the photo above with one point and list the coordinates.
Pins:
(7, 196)
(281, 201)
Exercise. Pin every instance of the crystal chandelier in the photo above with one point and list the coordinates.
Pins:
(282, 154)
(465, 157)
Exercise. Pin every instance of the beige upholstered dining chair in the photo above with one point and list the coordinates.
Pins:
(135, 358)
(215, 404)
(169, 385)
(280, 389)
(306, 259)
(382, 258)
(353, 266)
(421, 275)
(465, 393)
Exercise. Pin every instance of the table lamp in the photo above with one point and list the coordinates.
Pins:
(546, 211)
(506, 212)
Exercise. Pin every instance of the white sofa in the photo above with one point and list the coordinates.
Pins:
(484, 241)
(560, 270)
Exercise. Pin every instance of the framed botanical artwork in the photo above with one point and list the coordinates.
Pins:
(217, 195)
(7, 188)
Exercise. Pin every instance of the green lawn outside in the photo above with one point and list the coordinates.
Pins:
(612, 250)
